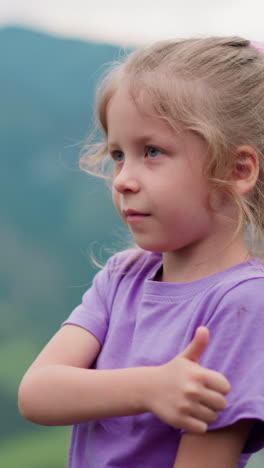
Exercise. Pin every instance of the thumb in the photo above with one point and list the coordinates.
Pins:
(198, 344)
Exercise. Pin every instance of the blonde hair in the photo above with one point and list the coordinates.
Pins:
(211, 86)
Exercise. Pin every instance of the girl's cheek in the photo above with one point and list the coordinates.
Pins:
(114, 196)
(116, 201)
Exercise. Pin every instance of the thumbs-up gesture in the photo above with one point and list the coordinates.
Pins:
(185, 394)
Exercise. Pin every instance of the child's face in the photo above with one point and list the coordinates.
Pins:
(159, 189)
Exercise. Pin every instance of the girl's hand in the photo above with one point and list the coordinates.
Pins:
(184, 394)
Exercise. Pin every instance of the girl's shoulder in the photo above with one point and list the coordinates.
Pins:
(247, 276)
(241, 289)
(133, 261)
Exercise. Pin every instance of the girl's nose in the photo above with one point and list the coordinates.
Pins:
(126, 180)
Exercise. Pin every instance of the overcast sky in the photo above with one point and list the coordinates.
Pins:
(137, 21)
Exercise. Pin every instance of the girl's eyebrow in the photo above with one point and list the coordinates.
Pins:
(144, 139)
(112, 145)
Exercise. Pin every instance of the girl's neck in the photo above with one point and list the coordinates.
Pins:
(190, 264)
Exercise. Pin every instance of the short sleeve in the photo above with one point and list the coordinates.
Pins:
(93, 312)
(236, 349)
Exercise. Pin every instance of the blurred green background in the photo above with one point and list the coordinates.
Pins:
(53, 216)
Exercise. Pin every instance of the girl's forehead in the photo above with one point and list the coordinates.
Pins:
(127, 102)
(131, 124)
(129, 94)
(133, 115)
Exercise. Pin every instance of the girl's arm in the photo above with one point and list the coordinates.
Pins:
(59, 389)
(219, 448)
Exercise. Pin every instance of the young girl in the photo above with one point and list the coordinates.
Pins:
(183, 124)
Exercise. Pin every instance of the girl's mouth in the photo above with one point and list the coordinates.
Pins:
(133, 216)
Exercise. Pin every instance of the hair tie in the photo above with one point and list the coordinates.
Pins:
(258, 45)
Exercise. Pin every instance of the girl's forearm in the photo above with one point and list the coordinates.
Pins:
(64, 395)
(180, 393)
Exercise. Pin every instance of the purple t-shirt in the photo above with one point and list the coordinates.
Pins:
(142, 322)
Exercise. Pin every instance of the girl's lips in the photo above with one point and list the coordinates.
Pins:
(133, 216)
(134, 213)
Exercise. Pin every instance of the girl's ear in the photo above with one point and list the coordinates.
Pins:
(246, 169)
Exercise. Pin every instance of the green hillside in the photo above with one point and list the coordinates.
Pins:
(52, 214)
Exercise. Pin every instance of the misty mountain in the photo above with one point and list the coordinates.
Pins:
(52, 214)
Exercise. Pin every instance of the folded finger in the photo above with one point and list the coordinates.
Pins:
(216, 382)
(213, 400)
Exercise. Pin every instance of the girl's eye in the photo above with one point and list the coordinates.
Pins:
(117, 156)
(152, 152)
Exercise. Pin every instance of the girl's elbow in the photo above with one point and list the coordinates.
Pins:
(27, 403)
(24, 406)
(33, 404)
